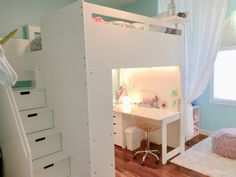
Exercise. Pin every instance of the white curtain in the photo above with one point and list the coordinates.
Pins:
(8, 76)
(203, 34)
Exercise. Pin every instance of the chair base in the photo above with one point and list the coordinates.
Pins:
(146, 152)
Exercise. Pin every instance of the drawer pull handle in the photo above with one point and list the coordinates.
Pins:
(48, 166)
(114, 116)
(25, 93)
(114, 123)
(114, 133)
(32, 115)
(40, 139)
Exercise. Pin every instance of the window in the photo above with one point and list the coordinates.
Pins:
(224, 80)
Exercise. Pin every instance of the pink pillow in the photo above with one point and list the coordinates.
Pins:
(224, 143)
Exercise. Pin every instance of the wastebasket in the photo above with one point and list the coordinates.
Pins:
(133, 137)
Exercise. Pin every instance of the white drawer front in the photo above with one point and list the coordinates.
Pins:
(42, 146)
(118, 139)
(117, 118)
(58, 169)
(37, 120)
(29, 99)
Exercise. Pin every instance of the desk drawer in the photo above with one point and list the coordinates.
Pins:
(118, 139)
(30, 99)
(37, 120)
(57, 169)
(44, 143)
(117, 118)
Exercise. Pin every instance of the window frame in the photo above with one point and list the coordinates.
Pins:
(212, 99)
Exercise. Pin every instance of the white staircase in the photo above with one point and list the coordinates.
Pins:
(48, 159)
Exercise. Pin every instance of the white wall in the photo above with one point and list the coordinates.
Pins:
(17, 52)
(150, 82)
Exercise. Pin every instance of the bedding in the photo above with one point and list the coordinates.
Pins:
(120, 23)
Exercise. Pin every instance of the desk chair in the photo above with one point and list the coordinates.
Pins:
(147, 126)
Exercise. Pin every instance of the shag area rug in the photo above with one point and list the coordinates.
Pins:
(200, 158)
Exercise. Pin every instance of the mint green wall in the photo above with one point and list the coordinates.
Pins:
(215, 116)
(16, 13)
(141, 7)
(146, 8)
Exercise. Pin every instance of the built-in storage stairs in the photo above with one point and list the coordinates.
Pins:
(48, 159)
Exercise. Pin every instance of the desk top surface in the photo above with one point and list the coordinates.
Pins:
(146, 112)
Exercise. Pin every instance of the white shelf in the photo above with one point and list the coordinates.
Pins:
(53, 158)
(196, 121)
(26, 89)
(195, 107)
(175, 20)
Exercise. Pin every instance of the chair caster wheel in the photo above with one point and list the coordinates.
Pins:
(142, 163)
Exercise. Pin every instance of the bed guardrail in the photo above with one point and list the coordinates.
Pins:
(15, 148)
(107, 16)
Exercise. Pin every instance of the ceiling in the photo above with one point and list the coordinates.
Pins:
(112, 3)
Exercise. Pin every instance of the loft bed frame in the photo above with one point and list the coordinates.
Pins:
(77, 58)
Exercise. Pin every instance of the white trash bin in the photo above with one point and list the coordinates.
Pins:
(133, 137)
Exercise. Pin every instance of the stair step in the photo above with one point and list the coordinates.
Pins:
(36, 120)
(43, 133)
(44, 143)
(30, 98)
(20, 89)
(50, 159)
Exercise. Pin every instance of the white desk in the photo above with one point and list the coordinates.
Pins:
(165, 116)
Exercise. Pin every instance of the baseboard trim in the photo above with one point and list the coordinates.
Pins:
(206, 132)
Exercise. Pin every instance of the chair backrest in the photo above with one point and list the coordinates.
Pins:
(145, 124)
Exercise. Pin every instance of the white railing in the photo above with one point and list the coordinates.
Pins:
(15, 148)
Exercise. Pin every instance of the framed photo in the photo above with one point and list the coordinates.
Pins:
(34, 36)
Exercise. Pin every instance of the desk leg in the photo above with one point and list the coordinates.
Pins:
(164, 142)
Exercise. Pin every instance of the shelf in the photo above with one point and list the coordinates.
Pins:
(175, 20)
(196, 121)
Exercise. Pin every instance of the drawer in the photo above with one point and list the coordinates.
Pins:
(117, 138)
(116, 115)
(44, 143)
(29, 99)
(117, 118)
(58, 169)
(37, 120)
(117, 128)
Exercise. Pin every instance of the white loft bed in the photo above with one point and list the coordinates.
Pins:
(77, 59)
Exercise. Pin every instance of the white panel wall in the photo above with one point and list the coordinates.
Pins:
(17, 52)
(64, 70)
(109, 47)
(15, 148)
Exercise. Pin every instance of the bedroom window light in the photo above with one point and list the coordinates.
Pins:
(223, 89)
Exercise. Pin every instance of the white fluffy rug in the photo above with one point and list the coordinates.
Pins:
(200, 158)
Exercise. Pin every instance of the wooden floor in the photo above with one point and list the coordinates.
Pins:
(126, 166)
